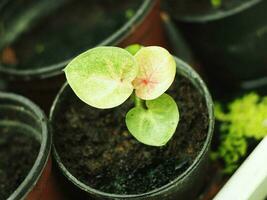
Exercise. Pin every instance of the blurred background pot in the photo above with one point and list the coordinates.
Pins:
(39, 38)
(229, 41)
(26, 141)
(186, 186)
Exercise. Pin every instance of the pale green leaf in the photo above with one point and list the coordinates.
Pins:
(102, 77)
(156, 124)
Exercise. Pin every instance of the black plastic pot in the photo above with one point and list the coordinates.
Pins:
(230, 43)
(18, 113)
(186, 186)
(41, 83)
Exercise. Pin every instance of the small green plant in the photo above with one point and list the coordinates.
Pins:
(105, 77)
(129, 13)
(246, 119)
(216, 3)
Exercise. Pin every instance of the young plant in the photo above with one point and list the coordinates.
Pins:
(105, 77)
(246, 118)
(216, 3)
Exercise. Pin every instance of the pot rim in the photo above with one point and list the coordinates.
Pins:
(57, 68)
(34, 174)
(183, 69)
(204, 18)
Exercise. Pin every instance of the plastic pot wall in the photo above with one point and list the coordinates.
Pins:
(42, 84)
(186, 186)
(237, 186)
(16, 112)
(231, 45)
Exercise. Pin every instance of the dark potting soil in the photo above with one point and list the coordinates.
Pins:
(96, 147)
(190, 8)
(18, 153)
(72, 28)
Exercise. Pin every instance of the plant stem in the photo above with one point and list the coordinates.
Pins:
(139, 102)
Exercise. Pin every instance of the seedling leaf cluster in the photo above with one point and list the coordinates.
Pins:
(105, 77)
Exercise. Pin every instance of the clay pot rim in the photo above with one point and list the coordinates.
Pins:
(185, 70)
(46, 141)
(57, 68)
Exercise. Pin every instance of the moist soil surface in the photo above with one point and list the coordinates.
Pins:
(96, 147)
(187, 8)
(59, 35)
(18, 153)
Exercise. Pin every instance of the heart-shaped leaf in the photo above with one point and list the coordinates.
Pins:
(157, 69)
(102, 77)
(156, 124)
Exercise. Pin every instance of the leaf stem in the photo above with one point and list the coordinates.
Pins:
(139, 102)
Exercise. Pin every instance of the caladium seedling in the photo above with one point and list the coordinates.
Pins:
(105, 77)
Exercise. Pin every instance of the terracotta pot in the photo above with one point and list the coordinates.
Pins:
(19, 112)
(150, 31)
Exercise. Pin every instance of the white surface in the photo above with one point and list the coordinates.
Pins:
(250, 180)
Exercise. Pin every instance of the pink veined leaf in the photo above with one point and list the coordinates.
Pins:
(157, 70)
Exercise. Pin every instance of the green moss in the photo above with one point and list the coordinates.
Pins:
(246, 118)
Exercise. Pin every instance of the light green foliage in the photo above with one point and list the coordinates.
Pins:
(246, 118)
(155, 123)
(133, 49)
(105, 77)
(102, 77)
(216, 3)
(129, 13)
